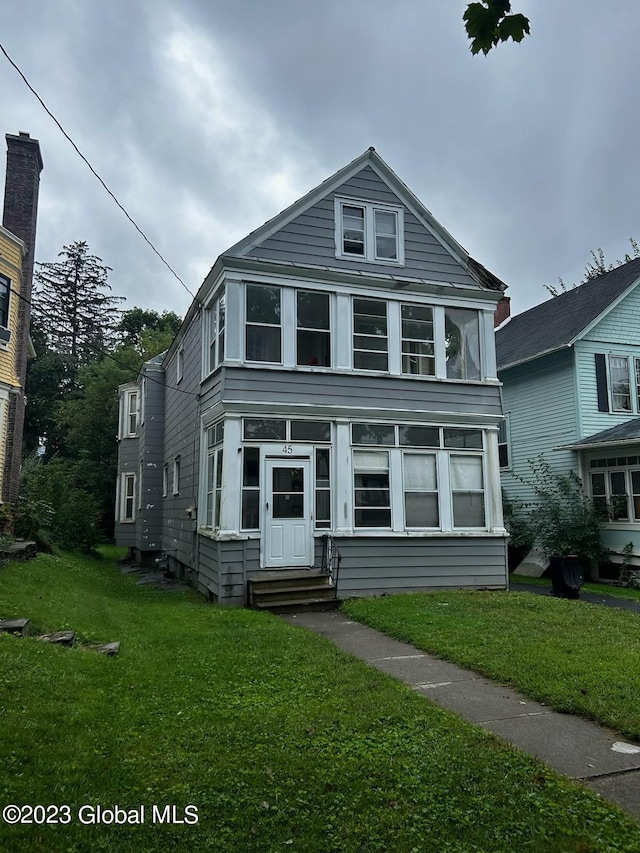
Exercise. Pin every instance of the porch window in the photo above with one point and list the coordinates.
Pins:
(268, 429)
(635, 494)
(313, 337)
(373, 434)
(420, 490)
(503, 443)
(467, 490)
(251, 488)
(216, 315)
(264, 324)
(462, 343)
(215, 436)
(370, 341)
(637, 372)
(620, 384)
(618, 491)
(372, 496)
(323, 486)
(418, 354)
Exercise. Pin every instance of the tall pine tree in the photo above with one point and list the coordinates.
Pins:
(71, 304)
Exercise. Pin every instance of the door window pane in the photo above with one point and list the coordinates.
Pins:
(462, 343)
(288, 492)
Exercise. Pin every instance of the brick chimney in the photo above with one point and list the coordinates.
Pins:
(22, 182)
(502, 312)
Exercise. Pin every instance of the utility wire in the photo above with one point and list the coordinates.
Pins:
(107, 354)
(93, 171)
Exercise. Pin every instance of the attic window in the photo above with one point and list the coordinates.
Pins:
(5, 287)
(370, 232)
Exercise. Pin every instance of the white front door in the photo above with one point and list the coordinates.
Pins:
(288, 532)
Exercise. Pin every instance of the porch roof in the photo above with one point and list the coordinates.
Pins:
(622, 434)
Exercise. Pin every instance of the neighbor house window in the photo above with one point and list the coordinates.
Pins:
(615, 487)
(313, 338)
(369, 232)
(370, 341)
(264, 324)
(132, 413)
(503, 443)
(420, 490)
(372, 495)
(128, 498)
(176, 476)
(418, 353)
(5, 290)
(637, 370)
(216, 316)
(462, 343)
(620, 384)
(165, 479)
(215, 435)
(179, 363)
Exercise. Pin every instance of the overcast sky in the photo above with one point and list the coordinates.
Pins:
(207, 117)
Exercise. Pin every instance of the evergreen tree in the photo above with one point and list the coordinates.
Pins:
(71, 305)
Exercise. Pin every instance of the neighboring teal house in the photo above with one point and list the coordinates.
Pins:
(570, 369)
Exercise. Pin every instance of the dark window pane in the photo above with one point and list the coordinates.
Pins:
(265, 428)
(251, 467)
(314, 348)
(503, 455)
(372, 481)
(371, 307)
(463, 438)
(598, 484)
(370, 361)
(4, 301)
(386, 248)
(323, 506)
(419, 436)
(310, 431)
(288, 506)
(313, 310)
(373, 518)
(288, 479)
(322, 467)
(263, 344)
(263, 304)
(635, 482)
(468, 509)
(421, 509)
(373, 434)
(372, 497)
(370, 342)
(250, 509)
(617, 483)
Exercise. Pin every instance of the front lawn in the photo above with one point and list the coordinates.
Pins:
(280, 740)
(576, 657)
(593, 587)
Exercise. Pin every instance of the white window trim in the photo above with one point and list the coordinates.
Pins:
(287, 321)
(179, 363)
(124, 518)
(6, 281)
(631, 378)
(507, 443)
(369, 207)
(132, 412)
(212, 334)
(165, 479)
(176, 476)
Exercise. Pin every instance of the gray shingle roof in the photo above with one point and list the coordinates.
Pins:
(628, 431)
(559, 320)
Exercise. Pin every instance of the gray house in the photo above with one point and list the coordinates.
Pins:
(333, 388)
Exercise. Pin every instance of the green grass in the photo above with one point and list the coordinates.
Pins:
(576, 657)
(596, 588)
(281, 741)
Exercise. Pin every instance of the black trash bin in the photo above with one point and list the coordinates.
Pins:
(567, 576)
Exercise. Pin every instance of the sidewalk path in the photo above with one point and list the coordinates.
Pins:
(568, 744)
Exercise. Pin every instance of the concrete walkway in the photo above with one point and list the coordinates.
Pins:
(582, 750)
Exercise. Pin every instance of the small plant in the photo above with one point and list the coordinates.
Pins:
(562, 519)
(628, 577)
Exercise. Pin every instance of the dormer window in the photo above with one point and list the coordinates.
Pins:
(369, 232)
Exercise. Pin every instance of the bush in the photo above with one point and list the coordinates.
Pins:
(55, 508)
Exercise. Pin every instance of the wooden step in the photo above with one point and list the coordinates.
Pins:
(300, 605)
(285, 579)
(292, 592)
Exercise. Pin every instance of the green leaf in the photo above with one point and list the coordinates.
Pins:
(513, 26)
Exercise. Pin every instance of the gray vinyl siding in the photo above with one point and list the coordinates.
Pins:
(540, 402)
(375, 565)
(151, 449)
(182, 438)
(310, 238)
(372, 393)
(128, 457)
(223, 568)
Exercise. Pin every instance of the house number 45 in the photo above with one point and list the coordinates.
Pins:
(287, 449)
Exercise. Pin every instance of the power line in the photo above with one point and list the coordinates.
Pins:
(93, 171)
(107, 354)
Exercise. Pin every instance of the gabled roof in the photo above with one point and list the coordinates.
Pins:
(370, 158)
(562, 320)
(627, 432)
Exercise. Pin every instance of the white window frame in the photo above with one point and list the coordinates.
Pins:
(176, 476)
(4, 343)
(369, 208)
(165, 479)
(504, 432)
(355, 334)
(627, 470)
(125, 517)
(215, 333)
(179, 364)
(213, 482)
(143, 397)
(132, 413)
(625, 358)
(248, 323)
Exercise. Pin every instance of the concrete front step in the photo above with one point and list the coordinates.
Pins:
(302, 605)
